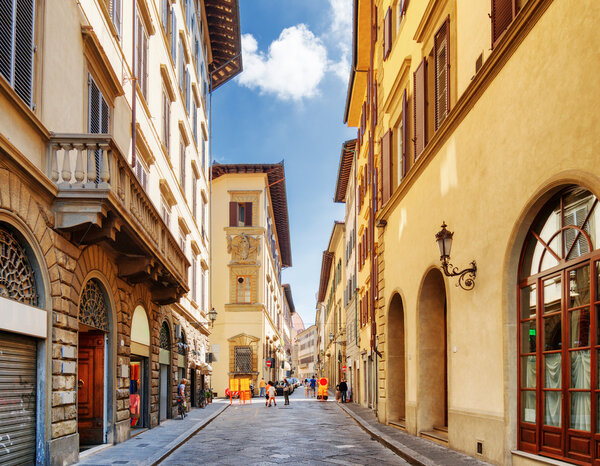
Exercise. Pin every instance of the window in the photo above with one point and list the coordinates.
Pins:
(243, 359)
(98, 118)
(195, 197)
(173, 35)
(195, 121)
(114, 11)
(181, 67)
(141, 172)
(558, 333)
(166, 123)
(16, 53)
(141, 52)
(442, 75)
(503, 13)
(243, 289)
(182, 240)
(188, 92)
(387, 33)
(401, 143)
(240, 214)
(165, 211)
(194, 279)
(182, 163)
(203, 218)
(165, 15)
(400, 12)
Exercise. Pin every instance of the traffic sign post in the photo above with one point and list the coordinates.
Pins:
(268, 363)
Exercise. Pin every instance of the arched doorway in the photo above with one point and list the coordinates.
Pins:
(432, 397)
(164, 374)
(139, 384)
(396, 363)
(558, 338)
(94, 383)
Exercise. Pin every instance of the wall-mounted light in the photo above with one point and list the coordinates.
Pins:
(466, 277)
(212, 315)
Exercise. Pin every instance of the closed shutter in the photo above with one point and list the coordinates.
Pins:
(233, 214)
(173, 35)
(419, 110)
(442, 75)
(248, 214)
(164, 13)
(374, 114)
(16, 46)
(387, 172)
(115, 14)
(18, 399)
(98, 118)
(188, 93)
(404, 135)
(502, 16)
(387, 33)
(144, 69)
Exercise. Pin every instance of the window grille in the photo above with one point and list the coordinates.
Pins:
(164, 337)
(243, 359)
(17, 277)
(92, 306)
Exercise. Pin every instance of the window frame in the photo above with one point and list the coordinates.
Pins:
(246, 289)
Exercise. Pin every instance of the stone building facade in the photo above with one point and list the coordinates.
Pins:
(103, 287)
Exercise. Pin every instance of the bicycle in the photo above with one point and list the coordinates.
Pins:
(181, 407)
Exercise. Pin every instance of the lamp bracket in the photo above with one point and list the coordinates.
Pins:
(466, 277)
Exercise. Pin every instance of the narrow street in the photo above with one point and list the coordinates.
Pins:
(305, 432)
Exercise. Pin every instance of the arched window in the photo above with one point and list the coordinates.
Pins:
(559, 329)
(165, 337)
(17, 275)
(93, 308)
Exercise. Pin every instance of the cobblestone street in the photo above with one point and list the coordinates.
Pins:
(305, 432)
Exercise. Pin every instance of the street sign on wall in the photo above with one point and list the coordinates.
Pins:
(268, 363)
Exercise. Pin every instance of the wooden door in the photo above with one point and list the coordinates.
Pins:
(90, 388)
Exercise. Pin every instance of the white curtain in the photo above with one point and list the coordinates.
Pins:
(529, 397)
(580, 401)
(552, 402)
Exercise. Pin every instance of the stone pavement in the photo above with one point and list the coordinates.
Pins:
(415, 450)
(305, 432)
(153, 445)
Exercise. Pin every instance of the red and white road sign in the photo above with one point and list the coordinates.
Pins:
(268, 363)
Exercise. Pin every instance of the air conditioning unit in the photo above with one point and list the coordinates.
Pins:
(178, 332)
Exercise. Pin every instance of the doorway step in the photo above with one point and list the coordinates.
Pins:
(399, 424)
(438, 435)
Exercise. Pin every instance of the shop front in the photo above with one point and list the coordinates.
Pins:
(139, 385)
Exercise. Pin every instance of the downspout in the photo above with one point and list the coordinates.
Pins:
(133, 90)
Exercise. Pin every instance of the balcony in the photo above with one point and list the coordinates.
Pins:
(101, 200)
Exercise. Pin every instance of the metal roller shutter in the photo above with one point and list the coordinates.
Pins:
(18, 356)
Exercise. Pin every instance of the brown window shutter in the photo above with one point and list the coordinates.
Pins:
(404, 134)
(502, 16)
(374, 120)
(441, 52)
(248, 212)
(419, 110)
(387, 33)
(386, 167)
(233, 214)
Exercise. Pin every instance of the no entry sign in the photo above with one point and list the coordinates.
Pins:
(268, 363)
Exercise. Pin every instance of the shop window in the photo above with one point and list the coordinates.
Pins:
(559, 340)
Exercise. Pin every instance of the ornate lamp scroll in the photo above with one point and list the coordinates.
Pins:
(466, 277)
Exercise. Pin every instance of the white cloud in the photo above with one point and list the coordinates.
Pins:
(293, 67)
(341, 36)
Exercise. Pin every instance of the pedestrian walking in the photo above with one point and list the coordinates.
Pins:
(306, 388)
(338, 393)
(262, 384)
(313, 387)
(343, 390)
(286, 392)
(271, 394)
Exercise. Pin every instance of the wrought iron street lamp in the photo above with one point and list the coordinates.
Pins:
(212, 315)
(466, 277)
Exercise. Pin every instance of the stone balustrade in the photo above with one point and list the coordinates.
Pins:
(91, 167)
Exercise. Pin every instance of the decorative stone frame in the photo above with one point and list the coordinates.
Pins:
(248, 196)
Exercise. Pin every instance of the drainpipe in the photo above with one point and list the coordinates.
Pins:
(133, 89)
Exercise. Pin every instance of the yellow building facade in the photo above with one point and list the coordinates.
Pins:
(251, 246)
(483, 118)
(331, 297)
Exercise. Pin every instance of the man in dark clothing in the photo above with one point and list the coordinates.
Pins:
(343, 390)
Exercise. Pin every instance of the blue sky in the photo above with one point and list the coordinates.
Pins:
(288, 104)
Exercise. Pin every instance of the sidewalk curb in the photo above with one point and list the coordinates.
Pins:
(183, 438)
(401, 450)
